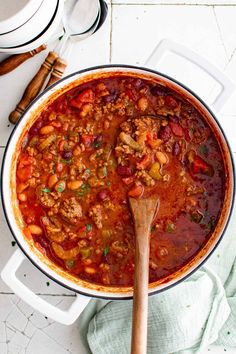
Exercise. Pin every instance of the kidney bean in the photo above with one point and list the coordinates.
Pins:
(102, 195)
(124, 171)
(176, 149)
(138, 83)
(177, 129)
(33, 131)
(165, 133)
(98, 139)
(110, 98)
(157, 91)
(35, 127)
(42, 241)
(66, 154)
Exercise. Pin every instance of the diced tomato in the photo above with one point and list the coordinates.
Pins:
(176, 129)
(152, 140)
(136, 191)
(86, 96)
(171, 102)
(200, 166)
(144, 163)
(132, 94)
(128, 180)
(89, 234)
(149, 136)
(24, 173)
(26, 160)
(82, 232)
(27, 233)
(76, 104)
(87, 139)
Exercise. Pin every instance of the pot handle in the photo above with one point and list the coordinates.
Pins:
(166, 45)
(67, 317)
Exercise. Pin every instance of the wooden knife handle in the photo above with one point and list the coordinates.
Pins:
(57, 71)
(33, 87)
(14, 61)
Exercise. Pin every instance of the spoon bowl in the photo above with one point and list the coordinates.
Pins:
(75, 30)
(86, 10)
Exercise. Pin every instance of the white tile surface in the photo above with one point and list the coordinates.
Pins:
(133, 29)
(193, 26)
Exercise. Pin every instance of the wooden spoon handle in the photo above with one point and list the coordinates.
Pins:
(140, 303)
(143, 211)
(34, 87)
(57, 71)
(14, 61)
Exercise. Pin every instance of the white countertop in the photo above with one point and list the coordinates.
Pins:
(132, 30)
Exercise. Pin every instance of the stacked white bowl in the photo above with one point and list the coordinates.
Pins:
(26, 24)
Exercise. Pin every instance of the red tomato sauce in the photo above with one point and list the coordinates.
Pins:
(100, 143)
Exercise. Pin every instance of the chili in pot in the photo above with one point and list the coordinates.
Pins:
(101, 142)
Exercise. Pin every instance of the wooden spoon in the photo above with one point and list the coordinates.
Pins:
(143, 211)
(33, 87)
(15, 60)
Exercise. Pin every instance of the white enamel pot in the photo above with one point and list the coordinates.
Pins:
(83, 289)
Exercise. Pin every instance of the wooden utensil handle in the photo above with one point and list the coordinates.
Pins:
(57, 71)
(143, 211)
(34, 87)
(140, 302)
(14, 61)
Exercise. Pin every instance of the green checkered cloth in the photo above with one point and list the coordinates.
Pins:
(184, 319)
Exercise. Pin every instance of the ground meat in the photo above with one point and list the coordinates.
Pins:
(146, 124)
(79, 165)
(45, 198)
(126, 127)
(53, 229)
(96, 214)
(71, 210)
(119, 248)
(165, 110)
(194, 189)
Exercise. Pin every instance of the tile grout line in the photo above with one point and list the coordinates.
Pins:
(39, 294)
(111, 22)
(220, 33)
